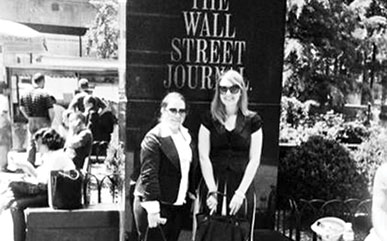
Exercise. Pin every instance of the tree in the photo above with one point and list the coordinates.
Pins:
(103, 35)
(332, 47)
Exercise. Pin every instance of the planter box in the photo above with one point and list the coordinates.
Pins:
(99, 222)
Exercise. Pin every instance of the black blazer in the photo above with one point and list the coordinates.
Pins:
(160, 173)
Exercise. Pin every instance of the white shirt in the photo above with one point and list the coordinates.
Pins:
(53, 160)
(185, 155)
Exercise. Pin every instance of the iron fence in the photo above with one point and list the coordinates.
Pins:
(294, 218)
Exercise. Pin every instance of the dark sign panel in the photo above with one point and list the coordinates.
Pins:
(184, 44)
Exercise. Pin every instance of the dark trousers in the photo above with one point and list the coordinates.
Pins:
(17, 211)
(171, 228)
(34, 124)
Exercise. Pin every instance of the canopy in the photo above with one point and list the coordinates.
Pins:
(18, 38)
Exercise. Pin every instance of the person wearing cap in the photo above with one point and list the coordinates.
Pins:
(37, 106)
(76, 103)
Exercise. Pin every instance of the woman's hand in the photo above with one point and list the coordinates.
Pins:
(154, 219)
(212, 202)
(236, 203)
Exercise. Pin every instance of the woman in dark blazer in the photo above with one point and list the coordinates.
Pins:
(168, 168)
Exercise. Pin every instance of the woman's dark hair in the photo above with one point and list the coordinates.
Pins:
(90, 100)
(50, 137)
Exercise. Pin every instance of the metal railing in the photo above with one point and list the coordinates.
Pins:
(102, 189)
(294, 218)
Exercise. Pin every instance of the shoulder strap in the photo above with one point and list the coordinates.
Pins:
(253, 218)
(161, 234)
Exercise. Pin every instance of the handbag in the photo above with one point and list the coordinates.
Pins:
(65, 189)
(221, 228)
(151, 234)
(224, 228)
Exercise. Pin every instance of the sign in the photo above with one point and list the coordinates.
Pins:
(183, 45)
(209, 45)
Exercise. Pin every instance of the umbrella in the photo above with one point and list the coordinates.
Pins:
(19, 38)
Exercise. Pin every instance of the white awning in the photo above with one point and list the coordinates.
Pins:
(18, 38)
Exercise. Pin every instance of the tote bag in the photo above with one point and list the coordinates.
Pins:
(222, 228)
(65, 189)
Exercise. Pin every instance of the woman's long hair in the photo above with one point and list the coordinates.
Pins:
(218, 110)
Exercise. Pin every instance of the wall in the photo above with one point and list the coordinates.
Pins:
(168, 53)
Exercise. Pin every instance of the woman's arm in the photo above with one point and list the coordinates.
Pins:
(255, 160)
(149, 177)
(26, 166)
(379, 203)
(204, 157)
(251, 170)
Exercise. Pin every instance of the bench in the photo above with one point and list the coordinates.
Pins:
(99, 222)
(95, 222)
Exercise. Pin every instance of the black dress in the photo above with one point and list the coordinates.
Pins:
(229, 155)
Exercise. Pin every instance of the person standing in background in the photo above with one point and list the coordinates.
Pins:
(37, 106)
(5, 138)
(57, 122)
(76, 103)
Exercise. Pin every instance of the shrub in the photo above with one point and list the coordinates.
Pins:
(115, 162)
(320, 168)
(352, 132)
(297, 124)
(371, 153)
(293, 111)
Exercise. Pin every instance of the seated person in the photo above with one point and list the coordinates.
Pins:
(33, 193)
(79, 139)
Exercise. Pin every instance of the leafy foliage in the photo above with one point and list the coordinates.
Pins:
(320, 168)
(115, 162)
(332, 48)
(103, 35)
(371, 153)
(297, 124)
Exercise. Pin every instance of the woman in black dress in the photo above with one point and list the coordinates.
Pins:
(230, 145)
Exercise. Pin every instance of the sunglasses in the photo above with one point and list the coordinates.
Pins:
(234, 89)
(177, 111)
